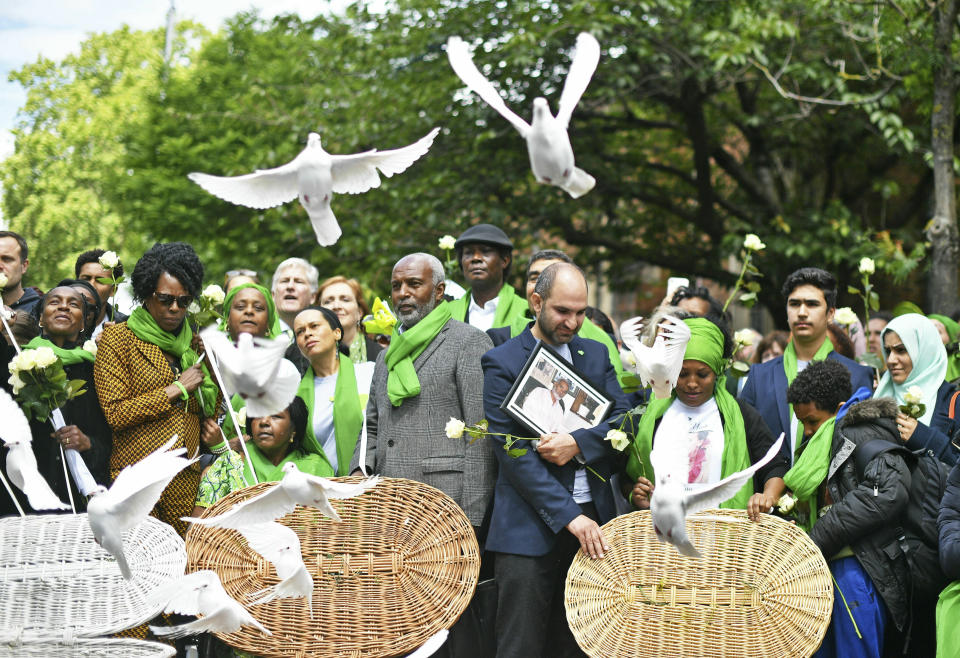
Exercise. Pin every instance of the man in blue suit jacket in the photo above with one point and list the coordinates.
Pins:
(811, 295)
(547, 504)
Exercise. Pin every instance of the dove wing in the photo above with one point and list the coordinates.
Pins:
(279, 394)
(268, 506)
(23, 471)
(341, 490)
(630, 334)
(182, 596)
(15, 426)
(585, 59)
(228, 356)
(264, 188)
(677, 335)
(357, 173)
(270, 540)
(458, 52)
(137, 488)
(712, 495)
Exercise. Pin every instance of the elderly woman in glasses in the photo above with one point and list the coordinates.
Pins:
(149, 379)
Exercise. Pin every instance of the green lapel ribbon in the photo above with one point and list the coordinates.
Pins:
(402, 380)
(273, 319)
(510, 308)
(267, 472)
(518, 324)
(69, 356)
(144, 327)
(810, 468)
(347, 416)
(790, 369)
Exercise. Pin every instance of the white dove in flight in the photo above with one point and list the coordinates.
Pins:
(21, 462)
(201, 593)
(296, 488)
(548, 144)
(134, 492)
(280, 546)
(315, 176)
(658, 366)
(255, 369)
(673, 499)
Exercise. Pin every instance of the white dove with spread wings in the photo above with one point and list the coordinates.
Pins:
(255, 370)
(201, 593)
(658, 366)
(548, 144)
(280, 546)
(674, 500)
(296, 488)
(315, 176)
(134, 492)
(21, 462)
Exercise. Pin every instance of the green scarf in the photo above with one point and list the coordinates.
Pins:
(953, 331)
(273, 319)
(790, 369)
(69, 356)
(144, 327)
(810, 468)
(267, 472)
(347, 416)
(358, 348)
(402, 381)
(706, 346)
(510, 307)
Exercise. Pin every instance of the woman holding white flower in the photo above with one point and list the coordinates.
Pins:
(915, 378)
(86, 431)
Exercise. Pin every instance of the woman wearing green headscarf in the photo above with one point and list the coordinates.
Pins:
(949, 330)
(916, 359)
(722, 434)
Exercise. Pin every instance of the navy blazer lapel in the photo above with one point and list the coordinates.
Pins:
(780, 386)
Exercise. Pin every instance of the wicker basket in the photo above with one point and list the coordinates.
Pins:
(89, 648)
(402, 565)
(56, 581)
(761, 589)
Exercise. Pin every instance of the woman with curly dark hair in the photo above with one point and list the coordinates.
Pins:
(150, 383)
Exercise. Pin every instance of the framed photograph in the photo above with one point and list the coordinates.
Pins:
(550, 395)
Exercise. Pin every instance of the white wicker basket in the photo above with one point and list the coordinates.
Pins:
(89, 648)
(56, 582)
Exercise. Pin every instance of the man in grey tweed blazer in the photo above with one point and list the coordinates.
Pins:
(409, 407)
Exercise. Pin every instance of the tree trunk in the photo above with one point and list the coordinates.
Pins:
(942, 232)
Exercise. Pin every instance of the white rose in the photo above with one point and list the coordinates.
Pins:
(109, 259)
(90, 346)
(3, 280)
(214, 293)
(752, 243)
(45, 357)
(448, 242)
(743, 337)
(16, 383)
(454, 428)
(913, 395)
(242, 417)
(786, 503)
(194, 308)
(867, 266)
(26, 360)
(618, 439)
(845, 316)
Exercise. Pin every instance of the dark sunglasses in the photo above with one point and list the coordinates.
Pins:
(167, 300)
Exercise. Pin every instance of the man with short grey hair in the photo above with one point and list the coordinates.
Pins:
(294, 288)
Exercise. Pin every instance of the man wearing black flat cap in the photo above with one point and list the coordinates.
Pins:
(485, 254)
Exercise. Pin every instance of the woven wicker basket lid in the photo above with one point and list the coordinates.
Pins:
(401, 566)
(761, 589)
(56, 581)
(89, 648)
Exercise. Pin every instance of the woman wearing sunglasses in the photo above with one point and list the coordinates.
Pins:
(150, 383)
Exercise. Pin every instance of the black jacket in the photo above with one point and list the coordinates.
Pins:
(949, 525)
(937, 436)
(864, 514)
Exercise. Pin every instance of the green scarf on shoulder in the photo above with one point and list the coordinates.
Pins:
(510, 307)
(810, 468)
(267, 472)
(706, 346)
(790, 370)
(347, 416)
(68, 356)
(144, 327)
(402, 380)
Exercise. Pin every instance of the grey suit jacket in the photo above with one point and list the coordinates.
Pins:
(409, 441)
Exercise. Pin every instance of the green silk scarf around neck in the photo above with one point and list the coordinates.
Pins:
(402, 380)
(268, 472)
(273, 319)
(69, 356)
(810, 468)
(510, 306)
(790, 370)
(144, 327)
(347, 416)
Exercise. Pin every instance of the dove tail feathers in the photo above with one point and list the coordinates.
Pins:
(325, 225)
(580, 183)
(172, 632)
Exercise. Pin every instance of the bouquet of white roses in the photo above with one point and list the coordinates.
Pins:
(40, 383)
(208, 308)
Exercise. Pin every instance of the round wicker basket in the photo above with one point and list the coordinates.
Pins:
(56, 581)
(761, 589)
(89, 648)
(402, 566)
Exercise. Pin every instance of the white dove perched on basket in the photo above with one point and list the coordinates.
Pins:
(201, 593)
(315, 176)
(21, 462)
(255, 370)
(657, 366)
(673, 499)
(548, 144)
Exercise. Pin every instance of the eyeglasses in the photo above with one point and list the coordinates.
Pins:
(249, 273)
(167, 300)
